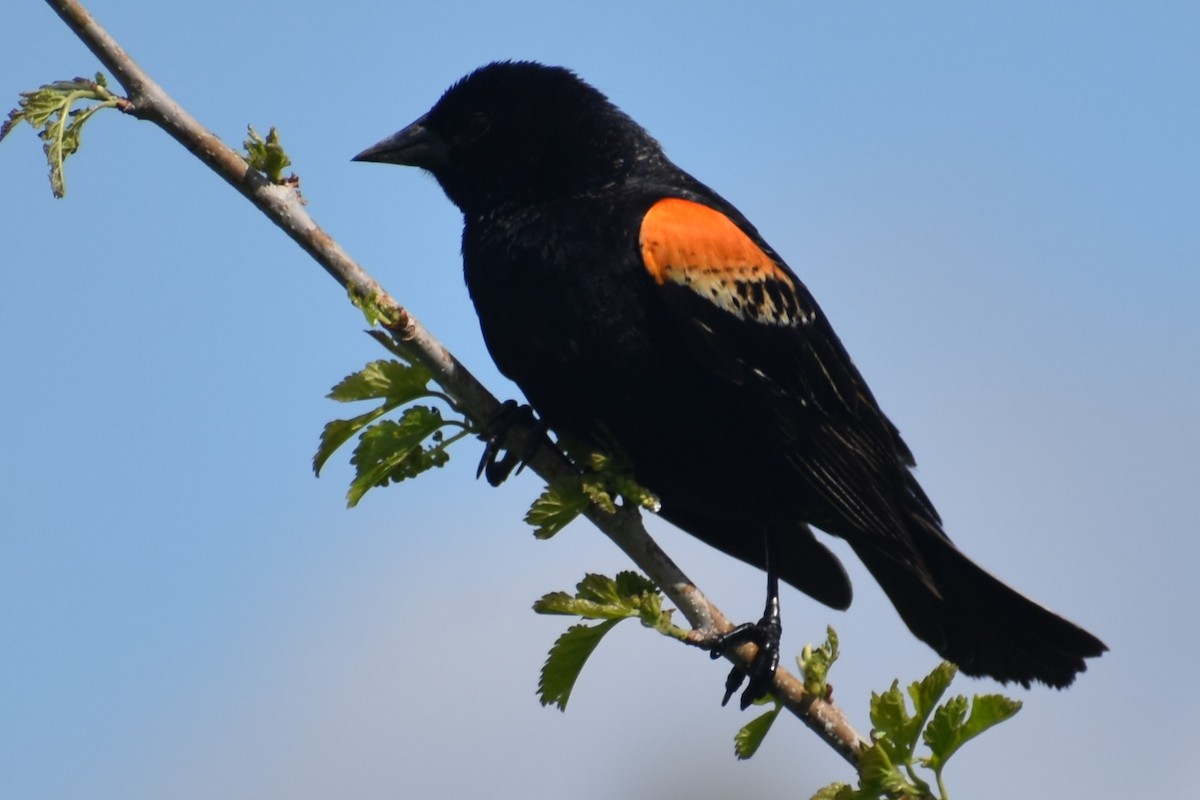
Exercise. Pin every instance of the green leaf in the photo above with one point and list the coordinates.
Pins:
(635, 594)
(611, 477)
(556, 507)
(49, 108)
(894, 729)
(602, 597)
(897, 730)
(951, 727)
(634, 586)
(604, 480)
(385, 313)
(988, 710)
(875, 771)
(747, 740)
(596, 597)
(339, 431)
(836, 791)
(814, 663)
(880, 776)
(617, 477)
(604, 590)
(889, 712)
(384, 379)
(266, 155)
(926, 693)
(563, 603)
(556, 603)
(942, 733)
(567, 657)
(392, 451)
(595, 488)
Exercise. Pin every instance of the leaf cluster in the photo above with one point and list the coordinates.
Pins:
(888, 767)
(49, 109)
(815, 662)
(597, 597)
(603, 479)
(391, 450)
(267, 155)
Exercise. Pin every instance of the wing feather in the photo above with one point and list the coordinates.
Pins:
(749, 319)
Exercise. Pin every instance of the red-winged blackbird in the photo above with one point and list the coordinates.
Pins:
(641, 313)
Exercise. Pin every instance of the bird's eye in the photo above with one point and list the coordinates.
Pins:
(478, 124)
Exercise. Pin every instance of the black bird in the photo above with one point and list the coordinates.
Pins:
(642, 314)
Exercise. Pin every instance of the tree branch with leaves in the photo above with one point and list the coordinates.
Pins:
(425, 401)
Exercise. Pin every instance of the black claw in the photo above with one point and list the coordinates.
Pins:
(493, 466)
(765, 634)
(762, 670)
(496, 467)
(491, 448)
(732, 684)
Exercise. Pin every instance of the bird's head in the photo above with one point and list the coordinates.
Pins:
(519, 132)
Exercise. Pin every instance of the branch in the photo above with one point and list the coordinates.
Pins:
(281, 203)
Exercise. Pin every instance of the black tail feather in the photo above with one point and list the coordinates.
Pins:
(977, 622)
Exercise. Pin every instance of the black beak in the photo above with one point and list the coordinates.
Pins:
(415, 146)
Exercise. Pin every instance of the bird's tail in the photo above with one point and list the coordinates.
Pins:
(974, 620)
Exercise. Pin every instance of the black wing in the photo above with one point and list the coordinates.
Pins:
(751, 320)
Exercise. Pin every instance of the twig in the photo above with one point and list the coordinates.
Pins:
(282, 205)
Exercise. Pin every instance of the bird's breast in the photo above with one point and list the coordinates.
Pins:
(570, 314)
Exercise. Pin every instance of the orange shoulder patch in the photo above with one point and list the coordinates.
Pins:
(700, 248)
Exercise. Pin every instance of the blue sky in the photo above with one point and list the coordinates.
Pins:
(998, 205)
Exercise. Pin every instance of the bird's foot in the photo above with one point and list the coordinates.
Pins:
(498, 462)
(765, 634)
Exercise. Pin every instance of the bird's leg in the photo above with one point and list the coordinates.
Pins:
(497, 467)
(765, 634)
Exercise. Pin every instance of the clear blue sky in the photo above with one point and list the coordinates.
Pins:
(998, 207)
